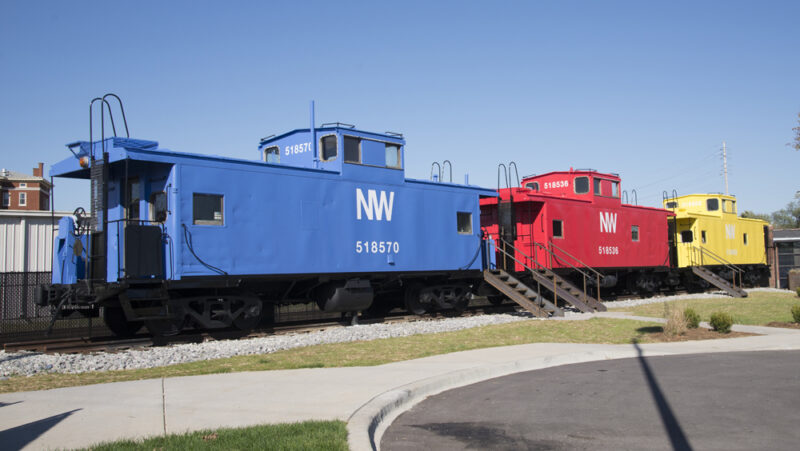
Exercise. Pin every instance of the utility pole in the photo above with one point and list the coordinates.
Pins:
(725, 165)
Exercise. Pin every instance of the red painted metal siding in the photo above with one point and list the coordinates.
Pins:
(597, 230)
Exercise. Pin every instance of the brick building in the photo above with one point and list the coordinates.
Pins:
(786, 255)
(24, 192)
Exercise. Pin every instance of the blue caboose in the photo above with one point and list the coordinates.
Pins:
(323, 214)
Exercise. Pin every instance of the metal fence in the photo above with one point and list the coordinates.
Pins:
(21, 319)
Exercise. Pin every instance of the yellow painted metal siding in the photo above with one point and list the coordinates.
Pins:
(724, 232)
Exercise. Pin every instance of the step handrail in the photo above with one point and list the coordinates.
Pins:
(584, 265)
(597, 274)
(585, 275)
(502, 249)
(703, 251)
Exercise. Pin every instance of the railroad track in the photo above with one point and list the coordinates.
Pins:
(112, 344)
(85, 345)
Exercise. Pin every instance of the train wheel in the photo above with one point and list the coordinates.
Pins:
(249, 317)
(169, 326)
(496, 299)
(379, 309)
(461, 304)
(118, 324)
(414, 302)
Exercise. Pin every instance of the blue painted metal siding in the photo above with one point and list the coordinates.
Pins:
(285, 219)
(283, 222)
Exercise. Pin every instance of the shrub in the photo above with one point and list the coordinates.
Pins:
(798, 292)
(721, 322)
(796, 313)
(676, 321)
(692, 318)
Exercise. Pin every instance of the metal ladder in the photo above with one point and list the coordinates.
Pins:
(99, 172)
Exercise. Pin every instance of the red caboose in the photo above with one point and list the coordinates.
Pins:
(575, 220)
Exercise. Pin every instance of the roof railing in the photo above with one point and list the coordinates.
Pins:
(338, 124)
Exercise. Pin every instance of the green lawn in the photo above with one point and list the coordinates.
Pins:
(759, 308)
(367, 353)
(316, 435)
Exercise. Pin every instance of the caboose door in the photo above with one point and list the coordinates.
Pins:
(527, 215)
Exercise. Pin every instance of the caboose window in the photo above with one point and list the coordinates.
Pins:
(158, 206)
(352, 150)
(745, 239)
(532, 186)
(703, 236)
(207, 209)
(132, 201)
(712, 204)
(729, 206)
(597, 186)
(328, 147)
(272, 154)
(558, 227)
(393, 156)
(635, 233)
(581, 185)
(464, 222)
(614, 189)
(687, 236)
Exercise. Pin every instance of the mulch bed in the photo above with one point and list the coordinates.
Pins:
(786, 325)
(695, 334)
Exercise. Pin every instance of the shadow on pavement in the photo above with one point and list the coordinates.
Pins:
(18, 437)
(671, 424)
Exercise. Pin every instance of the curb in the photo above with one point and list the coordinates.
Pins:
(367, 424)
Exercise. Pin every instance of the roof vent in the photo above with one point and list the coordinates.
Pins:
(4, 172)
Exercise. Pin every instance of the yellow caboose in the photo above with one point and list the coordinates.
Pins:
(707, 232)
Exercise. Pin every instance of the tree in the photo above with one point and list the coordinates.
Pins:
(796, 143)
(789, 217)
(754, 215)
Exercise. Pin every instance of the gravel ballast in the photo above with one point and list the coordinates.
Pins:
(31, 363)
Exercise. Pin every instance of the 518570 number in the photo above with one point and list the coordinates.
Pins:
(377, 247)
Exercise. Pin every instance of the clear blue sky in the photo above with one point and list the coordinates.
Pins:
(645, 89)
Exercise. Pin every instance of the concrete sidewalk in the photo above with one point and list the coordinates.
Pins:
(367, 397)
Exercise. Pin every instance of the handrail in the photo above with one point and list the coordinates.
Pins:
(529, 258)
(514, 165)
(446, 164)
(665, 197)
(502, 249)
(718, 258)
(596, 272)
(505, 170)
(624, 199)
(703, 251)
(104, 103)
(439, 175)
